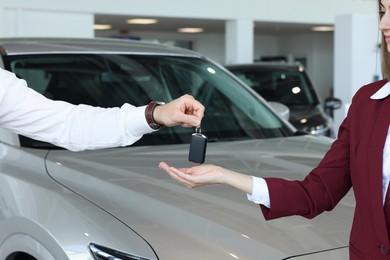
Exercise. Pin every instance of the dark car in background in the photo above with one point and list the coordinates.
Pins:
(116, 203)
(289, 84)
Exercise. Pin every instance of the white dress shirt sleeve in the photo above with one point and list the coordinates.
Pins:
(260, 193)
(75, 127)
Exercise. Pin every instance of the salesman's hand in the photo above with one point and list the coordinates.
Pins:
(185, 111)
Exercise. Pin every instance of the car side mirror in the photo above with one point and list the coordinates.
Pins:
(280, 109)
(332, 103)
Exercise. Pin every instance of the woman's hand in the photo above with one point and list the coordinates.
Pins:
(208, 174)
(195, 176)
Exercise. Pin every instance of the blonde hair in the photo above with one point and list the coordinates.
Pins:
(385, 60)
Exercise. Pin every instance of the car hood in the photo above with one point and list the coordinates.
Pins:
(211, 222)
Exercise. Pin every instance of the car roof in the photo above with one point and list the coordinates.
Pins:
(18, 46)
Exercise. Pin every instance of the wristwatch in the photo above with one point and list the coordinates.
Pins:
(149, 115)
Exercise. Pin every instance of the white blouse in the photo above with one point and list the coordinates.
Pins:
(260, 193)
(25, 111)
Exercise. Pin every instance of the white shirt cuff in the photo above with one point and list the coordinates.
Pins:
(135, 120)
(260, 193)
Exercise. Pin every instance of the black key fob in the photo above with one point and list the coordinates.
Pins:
(198, 145)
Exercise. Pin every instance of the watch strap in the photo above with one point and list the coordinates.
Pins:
(149, 115)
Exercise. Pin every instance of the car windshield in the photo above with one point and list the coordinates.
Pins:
(291, 88)
(110, 80)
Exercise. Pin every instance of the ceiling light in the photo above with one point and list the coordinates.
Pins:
(190, 30)
(322, 28)
(141, 21)
(102, 26)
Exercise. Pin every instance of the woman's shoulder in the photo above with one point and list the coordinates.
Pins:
(366, 91)
(374, 86)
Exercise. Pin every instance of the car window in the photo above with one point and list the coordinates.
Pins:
(287, 87)
(109, 80)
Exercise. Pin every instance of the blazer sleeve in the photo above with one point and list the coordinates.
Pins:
(322, 188)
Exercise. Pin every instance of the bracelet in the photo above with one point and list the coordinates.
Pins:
(149, 115)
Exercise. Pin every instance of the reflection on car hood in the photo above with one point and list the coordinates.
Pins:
(213, 222)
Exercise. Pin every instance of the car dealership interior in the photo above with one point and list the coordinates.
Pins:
(276, 78)
(336, 40)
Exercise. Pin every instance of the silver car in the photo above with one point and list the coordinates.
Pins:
(116, 203)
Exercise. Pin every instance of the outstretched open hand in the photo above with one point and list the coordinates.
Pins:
(195, 176)
(209, 174)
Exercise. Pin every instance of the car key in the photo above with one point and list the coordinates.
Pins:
(198, 145)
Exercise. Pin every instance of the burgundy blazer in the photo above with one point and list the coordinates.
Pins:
(354, 160)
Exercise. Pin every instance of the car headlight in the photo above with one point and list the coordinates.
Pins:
(318, 130)
(104, 253)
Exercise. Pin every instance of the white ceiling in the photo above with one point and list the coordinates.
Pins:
(171, 25)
